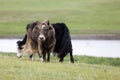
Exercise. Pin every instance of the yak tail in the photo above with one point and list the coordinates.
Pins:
(21, 43)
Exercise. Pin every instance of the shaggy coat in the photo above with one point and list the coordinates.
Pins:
(63, 41)
(27, 45)
(63, 44)
(44, 35)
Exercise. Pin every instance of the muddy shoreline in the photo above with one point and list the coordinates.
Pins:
(77, 36)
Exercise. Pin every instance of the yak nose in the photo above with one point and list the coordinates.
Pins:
(42, 37)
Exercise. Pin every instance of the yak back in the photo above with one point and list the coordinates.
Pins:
(63, 39)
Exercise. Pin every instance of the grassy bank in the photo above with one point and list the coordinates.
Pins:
(82, 16)
(84, 68)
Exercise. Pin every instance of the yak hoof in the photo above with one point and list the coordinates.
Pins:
(61, 60)
(41, 59)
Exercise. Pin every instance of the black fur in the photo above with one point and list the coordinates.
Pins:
(63, 41)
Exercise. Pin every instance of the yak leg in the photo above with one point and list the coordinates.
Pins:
(41, 58)
(48, 57)
(71, 57)
(31, 57)
(44, 57)
(61, 59)
(61, 56)
(39, 55)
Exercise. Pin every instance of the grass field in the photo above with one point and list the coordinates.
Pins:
(81, 16)
(12, 68)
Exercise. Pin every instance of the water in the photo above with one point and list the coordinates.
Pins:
(99, 48)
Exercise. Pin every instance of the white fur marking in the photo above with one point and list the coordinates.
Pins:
(32, 58)
(41, 36)
(43, 26)
(41, 59)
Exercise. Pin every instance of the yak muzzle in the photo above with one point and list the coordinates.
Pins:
(41, 37)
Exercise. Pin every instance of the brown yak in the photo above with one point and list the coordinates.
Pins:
(40, 39)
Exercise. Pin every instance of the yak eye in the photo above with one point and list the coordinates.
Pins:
(36, 27)
(47, 28)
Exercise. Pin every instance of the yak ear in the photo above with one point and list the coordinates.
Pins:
(27, 26)
(47, 22)
(32, 25)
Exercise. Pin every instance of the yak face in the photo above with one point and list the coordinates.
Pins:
(42, 31)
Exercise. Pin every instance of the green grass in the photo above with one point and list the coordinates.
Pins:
(81, 16)
(12, 68)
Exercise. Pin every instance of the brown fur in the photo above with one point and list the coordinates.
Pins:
(44, 46)
(35, 45)
(31, 46)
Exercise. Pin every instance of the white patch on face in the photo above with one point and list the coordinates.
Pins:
(41, 37)
(43, 26)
